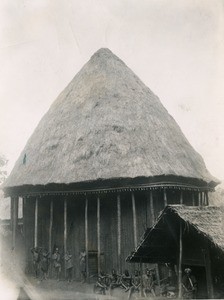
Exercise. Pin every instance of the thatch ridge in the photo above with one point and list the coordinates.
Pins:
(106, 124)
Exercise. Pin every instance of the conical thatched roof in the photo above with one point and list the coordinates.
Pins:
(106, 124)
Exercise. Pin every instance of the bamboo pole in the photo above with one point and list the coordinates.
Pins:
(36, 223)
(65, 230)
(134, 219)
(180, 263)
(98, 234)
(86, 240)
(119, 232)
(165, 197)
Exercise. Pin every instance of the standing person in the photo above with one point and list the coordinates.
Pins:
(44, 263)
(36, 260)
(57, 263)
(189, 284)
(135, 284)
(82, 265)
(68, 266)
(148, 283)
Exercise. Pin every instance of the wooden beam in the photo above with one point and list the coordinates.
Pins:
(119, 232)
(65, 229)
(86, 240)
(36, 223)
(134, 219)
(165, 197)
(98, 235)
(180, 263)
(181, 197)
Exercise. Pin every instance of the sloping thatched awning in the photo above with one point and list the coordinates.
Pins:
(159, 244)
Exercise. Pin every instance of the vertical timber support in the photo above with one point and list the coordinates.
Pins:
(36, 222)
(180, 262)
(193, 199)
(50, 226)
(65, 228)
(181, 197)
(210, 288)
(98, 235)
(86, 240)
(11, 212)
(151, 207)
(165, 197)
(119, 232)
(15, 201)
(50, 232)
(134, 219)
(206, 197)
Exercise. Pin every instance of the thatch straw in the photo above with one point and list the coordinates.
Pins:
(207, 220)
(106, 124)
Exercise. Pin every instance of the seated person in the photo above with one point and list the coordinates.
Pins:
(135, 284)
(126, 280)
(100, 285)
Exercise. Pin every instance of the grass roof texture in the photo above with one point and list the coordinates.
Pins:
(106, 124)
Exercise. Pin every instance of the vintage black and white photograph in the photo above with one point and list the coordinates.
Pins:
(111, 149)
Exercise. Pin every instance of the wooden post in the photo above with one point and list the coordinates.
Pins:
(134, 219)
(36, 223)
(165, 197)
(86, 240)
(151, 207)
(50, 233)
(65, 229)
(210, 288)
(15, 221)
(141, 274)
(181, 197)
(98, 234)
(180, 262)
(206, 195)
(11, 212)
(50, 226)
(193, 199)
(119, 232)
(199, 198)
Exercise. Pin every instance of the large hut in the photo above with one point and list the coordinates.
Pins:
(101, 164)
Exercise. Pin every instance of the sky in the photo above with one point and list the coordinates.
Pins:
(175, 47)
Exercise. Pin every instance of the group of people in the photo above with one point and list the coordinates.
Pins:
(42, 260)
(129, 283)
(146, 284)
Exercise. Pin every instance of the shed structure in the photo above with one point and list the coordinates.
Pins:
(101, 164)
(187, 236)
